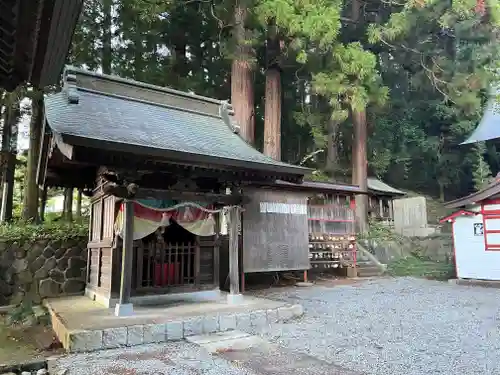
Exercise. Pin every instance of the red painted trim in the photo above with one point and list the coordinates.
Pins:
(457, 214)
(484, 228)
(454, 248)
(491, 217)
(491, 212)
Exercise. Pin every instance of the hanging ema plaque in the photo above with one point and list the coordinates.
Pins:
(478, 229)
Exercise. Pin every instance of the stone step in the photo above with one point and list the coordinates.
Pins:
(263, 358)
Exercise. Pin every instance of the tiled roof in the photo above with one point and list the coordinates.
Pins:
(115, 112)
(377, 186)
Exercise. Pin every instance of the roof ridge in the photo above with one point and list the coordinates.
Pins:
(142, 101)
(113, 78)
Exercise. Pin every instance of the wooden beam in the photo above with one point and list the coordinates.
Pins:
(217, 250)
(132, 191)
(234, 279)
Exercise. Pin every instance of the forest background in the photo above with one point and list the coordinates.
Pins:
(350, 88)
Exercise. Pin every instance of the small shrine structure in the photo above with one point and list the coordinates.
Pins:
(476, 233)
(162, 167)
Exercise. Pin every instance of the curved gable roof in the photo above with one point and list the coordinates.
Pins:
(100, 111)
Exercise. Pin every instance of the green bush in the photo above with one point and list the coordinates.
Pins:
(420, 267)
(53, 230)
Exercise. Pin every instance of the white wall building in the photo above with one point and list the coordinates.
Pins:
(476, 233)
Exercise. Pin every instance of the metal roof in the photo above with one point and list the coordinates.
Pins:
(378, 187)
(320, 187)
(100, 111)
(489, 127)
(489, 191)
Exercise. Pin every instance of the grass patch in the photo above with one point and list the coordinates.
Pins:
(25, 335)
(16, 345)
(418, 267)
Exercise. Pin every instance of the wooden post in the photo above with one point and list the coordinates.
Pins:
(124, 307)
(217, 250)
(43, 204)
(234, 286)
(381, 207)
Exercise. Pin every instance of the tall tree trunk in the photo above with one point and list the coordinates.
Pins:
(332, 152)
(9, 153)
(360, 168)
(180, 67)
(107, 52)
(43, 203)
(272, 114)
(138, 56)
(30, 204)
(79, 204)
(68, 205)
(242, 94)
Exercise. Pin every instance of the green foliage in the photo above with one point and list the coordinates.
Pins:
(417, 267)
(481, 172)
(420, 68)
(22, 232)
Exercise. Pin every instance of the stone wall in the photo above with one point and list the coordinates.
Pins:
(438, 247)
(34, 270)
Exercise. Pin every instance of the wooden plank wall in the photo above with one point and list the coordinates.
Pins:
(206, 260)
(275, 238)
(101, 238)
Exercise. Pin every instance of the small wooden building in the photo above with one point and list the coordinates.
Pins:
(162, 167)
(380, 201)
(476, 233)
(299, 226)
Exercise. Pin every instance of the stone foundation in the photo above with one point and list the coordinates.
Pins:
(34, 270)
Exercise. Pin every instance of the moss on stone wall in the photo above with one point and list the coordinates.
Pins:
(22, 231)
(40, 261)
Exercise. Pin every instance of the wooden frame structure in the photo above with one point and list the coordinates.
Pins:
(328, 228)
(380, 201)
(126, 142)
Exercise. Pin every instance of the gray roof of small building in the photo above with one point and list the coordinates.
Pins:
(95, 109)
(489, 127)
(320, 187)
(378, 187)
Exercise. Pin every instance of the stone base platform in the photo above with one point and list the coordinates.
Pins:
(476, 282)
(84, 325)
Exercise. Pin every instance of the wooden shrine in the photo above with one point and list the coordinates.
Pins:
(162, 168)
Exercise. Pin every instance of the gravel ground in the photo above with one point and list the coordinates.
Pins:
(177, 358)
(395, 326)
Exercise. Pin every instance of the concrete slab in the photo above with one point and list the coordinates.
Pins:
(476, 282)
(84, 325)
(263, 358)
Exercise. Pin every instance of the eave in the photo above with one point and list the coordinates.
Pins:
(35, 36)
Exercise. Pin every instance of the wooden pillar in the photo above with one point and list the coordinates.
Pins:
(234, 286)
(124, 307)
(218, 219)
(381, 207)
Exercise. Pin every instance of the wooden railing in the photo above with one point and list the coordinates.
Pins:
(165, 265)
